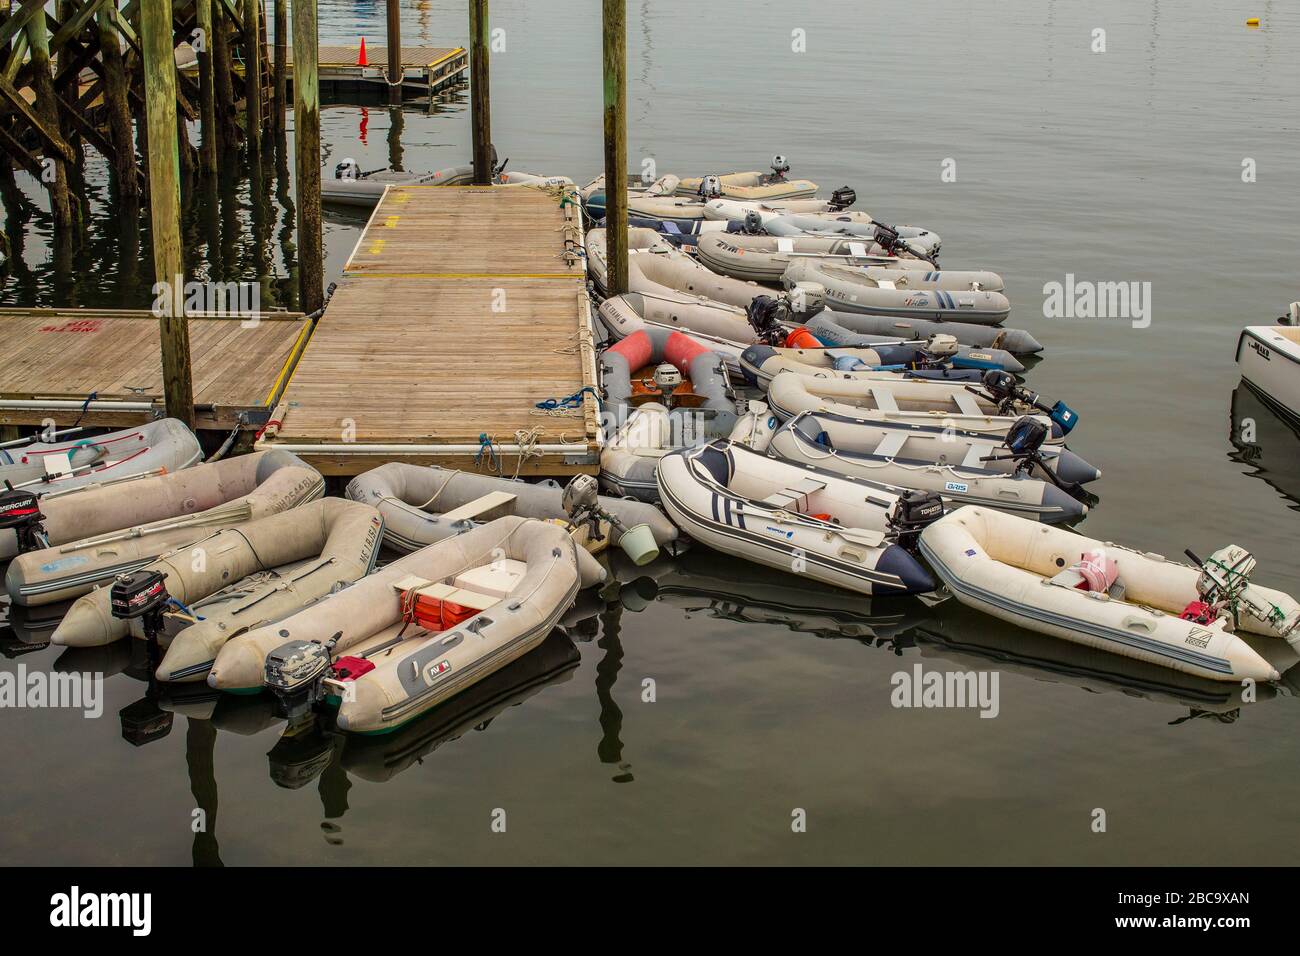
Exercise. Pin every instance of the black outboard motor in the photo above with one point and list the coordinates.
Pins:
(1025, 442)
(141, 594)
(21, 510)
(913, 512)
(753, 224)
(764, 314)
(887, 238)
(1003, 389)
(843, 198)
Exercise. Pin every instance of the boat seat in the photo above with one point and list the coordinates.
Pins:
(57, 464)
(858, 250)
(967, 405)
(1073, 580)
(494, 504)
(784, 244)
(795, 496)
(885, 284)
(977, 451)
(892, 445)
(885, 400)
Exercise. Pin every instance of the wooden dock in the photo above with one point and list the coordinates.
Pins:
(459, 310)
(424, 68)
(56, 359)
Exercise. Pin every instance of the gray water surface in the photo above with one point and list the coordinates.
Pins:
(772, 694)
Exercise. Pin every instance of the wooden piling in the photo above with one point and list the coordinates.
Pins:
(207, 91)
(223, 85)
(117, 106)
(281, 66)
(393, 16)
(253, 76)
(615, 69)
(306, 121)
(479, 93)
(156, 43)
(44, 117)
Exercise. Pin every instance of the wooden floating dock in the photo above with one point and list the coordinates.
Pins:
(424, 68)
(55, 359)
(459, 310)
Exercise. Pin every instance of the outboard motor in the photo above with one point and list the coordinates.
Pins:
(764, 314)
(887, 238)
(1006, 392)
(348, 169)
(295, 673)
(843, 198)
(753, 224)
(710, 187)
(1025, 441)
(21, 510)
(912, 513)
(581, 503)
(1224, 590)
(780, 166)
(141, 594)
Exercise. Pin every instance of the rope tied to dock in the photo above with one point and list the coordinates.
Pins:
(569, 401)
(526, 439)
(487, 449)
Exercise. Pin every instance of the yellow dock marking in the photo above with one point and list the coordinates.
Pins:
(391, 222)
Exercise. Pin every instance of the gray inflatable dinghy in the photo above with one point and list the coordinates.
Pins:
(424, 505)
(845, 329)
(352, 187)
(72, 461)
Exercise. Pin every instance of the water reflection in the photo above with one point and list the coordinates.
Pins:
(1267, 442)
(964, 637)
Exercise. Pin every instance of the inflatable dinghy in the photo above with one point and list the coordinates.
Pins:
(1103, 595)
(840, 328)
(351, 187)
(918, 241)
(904, 295)
(424, 505)
(754, 185)
(806, 440)
(251, 575)
(841, 531)
(630, 457)
(763, 258)
(416, 632)
(626, 314)
(49, 467)
(97, 532)
(885, 362)
(702, 367)
(656, 267)
(907, 402)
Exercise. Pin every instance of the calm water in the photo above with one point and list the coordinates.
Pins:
(771, 694)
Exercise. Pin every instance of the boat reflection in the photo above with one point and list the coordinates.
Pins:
(1267, 442)
(962, 636)
(701, 582)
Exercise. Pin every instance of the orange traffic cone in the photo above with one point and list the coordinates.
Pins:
(361, 60)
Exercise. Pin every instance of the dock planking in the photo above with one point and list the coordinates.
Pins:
(460, 309)
(57, 358)
(422, 66)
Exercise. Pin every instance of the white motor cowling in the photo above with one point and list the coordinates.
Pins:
(756, 427)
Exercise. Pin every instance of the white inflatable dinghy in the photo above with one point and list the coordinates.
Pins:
(1103, 595)
(764, 258)
(416, 632)
(841, 531)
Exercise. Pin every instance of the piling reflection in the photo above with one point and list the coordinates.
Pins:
(1267, 442)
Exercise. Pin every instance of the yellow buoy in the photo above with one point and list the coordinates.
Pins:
(1253, 22)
